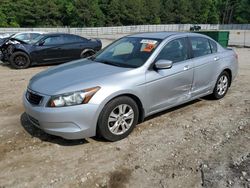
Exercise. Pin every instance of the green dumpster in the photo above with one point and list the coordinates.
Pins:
(222, 37)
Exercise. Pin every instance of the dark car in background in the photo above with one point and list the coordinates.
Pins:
(50, 48)
(7, 39)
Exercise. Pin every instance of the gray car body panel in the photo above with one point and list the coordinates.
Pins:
(157, 90)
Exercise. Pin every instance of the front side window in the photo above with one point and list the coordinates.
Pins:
(175, 51)
(53, 40)
(128, 52)
(200, 46)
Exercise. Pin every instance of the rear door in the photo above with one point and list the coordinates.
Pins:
(204, 65)
(169, 87)
(73, 46)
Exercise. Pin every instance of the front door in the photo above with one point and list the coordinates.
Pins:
(50, 50)
(169, 87)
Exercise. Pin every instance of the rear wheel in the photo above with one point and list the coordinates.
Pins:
(118, 119)
(19, 60)
(221, 86)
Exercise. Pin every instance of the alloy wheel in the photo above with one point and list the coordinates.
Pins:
(20, 60)
(222, 85)
(120, 119)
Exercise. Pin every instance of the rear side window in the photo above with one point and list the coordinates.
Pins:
(200, 46)
(213, 46)
(175, 51)
(73, 39)
(55, 40)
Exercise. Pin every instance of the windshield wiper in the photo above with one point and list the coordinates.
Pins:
(103, 61)
(128, 66)
(112, 63)
(109, 63)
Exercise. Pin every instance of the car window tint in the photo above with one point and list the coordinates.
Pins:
(200, 46)
(175, 51)
(27, 36)
(73, 39)
(213, 46)
(80, 39)
(128, 51)
(20, 37)
(53, 40)
(34, 35)
(123, 48)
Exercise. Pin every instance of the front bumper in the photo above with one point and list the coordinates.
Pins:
(73, 122)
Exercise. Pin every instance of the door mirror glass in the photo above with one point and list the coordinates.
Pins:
(163, 64)
(41, 43)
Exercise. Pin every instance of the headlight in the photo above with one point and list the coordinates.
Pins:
(74, 98)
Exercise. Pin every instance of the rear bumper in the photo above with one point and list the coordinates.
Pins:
(74, 122)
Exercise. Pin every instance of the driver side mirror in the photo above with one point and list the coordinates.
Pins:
(41, 43)
(163, 64)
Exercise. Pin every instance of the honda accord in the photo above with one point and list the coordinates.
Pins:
(134, 77)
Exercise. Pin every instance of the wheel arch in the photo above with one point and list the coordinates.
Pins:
(230, 75)
(138, 102)
(21, 50)
(87, 50)
(132, 96)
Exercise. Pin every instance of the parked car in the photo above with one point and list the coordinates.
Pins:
(8, 39)
(50, 48)
(195, 28)
(134, 77)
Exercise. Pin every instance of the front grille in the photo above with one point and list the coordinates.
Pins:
(33, 98)
(33, 120)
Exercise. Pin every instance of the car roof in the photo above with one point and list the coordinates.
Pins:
(164, 35)
(58, 33)
(39, 32)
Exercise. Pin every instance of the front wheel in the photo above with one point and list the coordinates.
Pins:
(19, 60)
(221, 86)
(118, 119)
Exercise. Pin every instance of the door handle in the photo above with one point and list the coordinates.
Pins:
(186, 67)
(216, 58)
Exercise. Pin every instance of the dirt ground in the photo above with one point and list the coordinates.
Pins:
(204, 143)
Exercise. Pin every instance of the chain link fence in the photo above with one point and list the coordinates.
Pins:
(239, 33)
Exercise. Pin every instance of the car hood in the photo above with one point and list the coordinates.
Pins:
(72, 76)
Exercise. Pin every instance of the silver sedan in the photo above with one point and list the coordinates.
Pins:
(134, 77)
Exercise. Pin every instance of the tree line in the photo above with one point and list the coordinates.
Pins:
(90, 13)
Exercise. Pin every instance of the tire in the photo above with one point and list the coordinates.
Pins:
(19, 60)
(87, 54)
(111, 124)
(221, 86)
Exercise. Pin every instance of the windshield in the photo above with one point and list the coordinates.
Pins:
(127, 52)
(27, 37)
(35, 40)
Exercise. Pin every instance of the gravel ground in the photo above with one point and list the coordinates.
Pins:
(204, 143)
